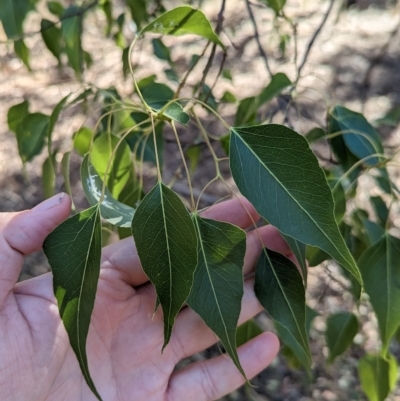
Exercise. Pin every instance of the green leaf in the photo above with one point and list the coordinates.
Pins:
(380, 208)
(226, 73)
(106, 6)
(71, 29)
(247, 331)
(374, 231)
(160, 50)
(341, 328)
(65, 162)
(22, 52)
(171, 74)
(339, 198)
(299, 250)
(279, 288)
(112, 210)
(278, 83)
(120, 167)
(193, 153)
(31, 135)
(55, 8)
(166, 242)
(392, 117)
(16, 114)
(49, 176)
(276, 5)
(182, 21)
(138, 11)
(379, 266)
(13, 14)
(378, 376)
(275, 169)
(228, 97)
(73, 250)
(82, 140)
(359, 135)
(315, 134)
(217, 289)
(225, 143)
(315, 256)
(247, 112)
(52, 38)
(157, 96)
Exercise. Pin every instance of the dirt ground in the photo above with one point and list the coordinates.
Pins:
(337, 71)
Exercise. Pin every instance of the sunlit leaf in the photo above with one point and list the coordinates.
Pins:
(113, 211)
(16, 114)
(341, 328)
(22, 52)
(378, 376)
(275, 169)
(31, 135)
(193, 153)
(182, 21)
(217, 289)
(55, 8)
(118, 174)
(280, 290)
(380, 270)
(276, 5)
(228, 97)
(82, 140)
(166, 242)
(49, 176)
(73, 250)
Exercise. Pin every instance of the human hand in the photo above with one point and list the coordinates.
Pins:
(125, 339)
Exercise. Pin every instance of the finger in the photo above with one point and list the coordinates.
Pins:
(122, 256)
(192, 335)
(23, 233)
(214, 378)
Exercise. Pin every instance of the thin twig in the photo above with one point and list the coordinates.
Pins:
(218, 30)
(257, 37)
(313, 38)
(80, 12)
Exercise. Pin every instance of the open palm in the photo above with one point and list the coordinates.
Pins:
(125, 337)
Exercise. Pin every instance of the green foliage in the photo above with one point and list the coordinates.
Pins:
(190, 259)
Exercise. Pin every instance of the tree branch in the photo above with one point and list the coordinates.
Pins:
(257, 37)
(313, 38)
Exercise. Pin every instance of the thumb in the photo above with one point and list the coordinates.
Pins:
(23, 233)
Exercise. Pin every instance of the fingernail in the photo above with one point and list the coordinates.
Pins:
(50, 203)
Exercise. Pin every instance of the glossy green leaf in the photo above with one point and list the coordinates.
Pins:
(55, 8)
(120, 167)
(380, 270)
(52, 38)
(157, 96)
(16, 114)
(82, 140)
(299, 250)
(275, 169)
(359, 135)
(315, 134)
(138, 11)
(22, 52)
(278, 83)
(31, 135)
(73, 250)
(182, 21)
(247, 331)
(380, 208)
(71, 29)
(280, 290)
(13, 14)
(341, 329)
(378, 376)
(160, 50)
(276, 5)
(217, 289)
(113, 211)
(166, 242)
(49, 176)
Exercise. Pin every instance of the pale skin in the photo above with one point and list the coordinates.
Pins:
(125, 339)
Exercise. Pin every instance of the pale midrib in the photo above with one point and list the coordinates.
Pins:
(290, 195)
(213, 290)
(305, 344)
(80, 293)
(169, 255)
